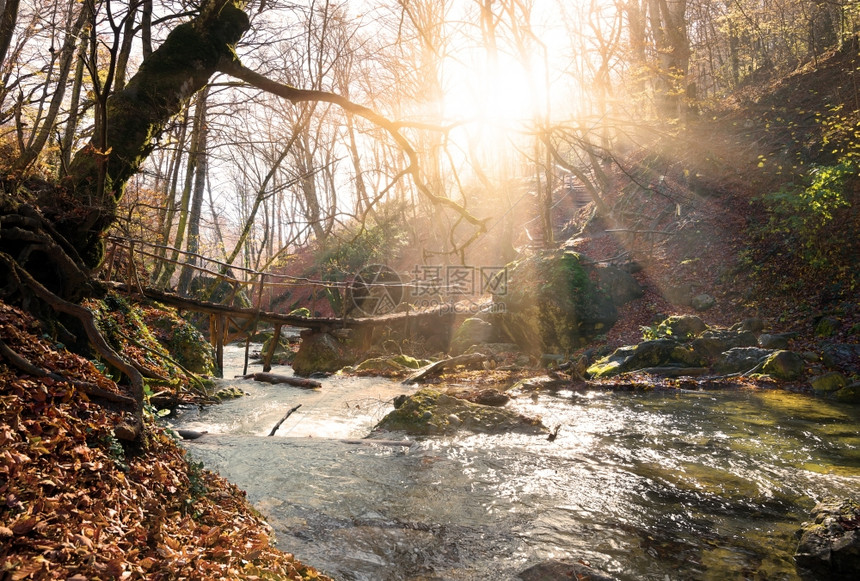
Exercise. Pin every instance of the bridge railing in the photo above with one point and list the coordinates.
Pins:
(124, 254)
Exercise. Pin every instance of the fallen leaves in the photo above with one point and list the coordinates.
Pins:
(75, 504)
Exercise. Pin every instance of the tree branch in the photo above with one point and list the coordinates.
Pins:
(234, 68)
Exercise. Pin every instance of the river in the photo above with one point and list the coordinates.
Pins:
(643, 486)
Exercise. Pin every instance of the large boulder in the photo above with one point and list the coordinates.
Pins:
(552, 303)
(472, 331)
(681, 327)
(619, 284)
(712, 342)
(785, 365)
(741, 359)
(632, 357)
(829, 546)
(320, 353)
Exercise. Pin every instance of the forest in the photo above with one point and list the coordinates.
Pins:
(607, 195)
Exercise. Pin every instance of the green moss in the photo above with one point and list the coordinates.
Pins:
(430, 411)
(784, 365)
(829, 382)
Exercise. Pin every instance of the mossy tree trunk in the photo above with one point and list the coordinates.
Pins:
(136, 117)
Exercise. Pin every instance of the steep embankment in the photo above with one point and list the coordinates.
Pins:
(78, 505)
(755, 202)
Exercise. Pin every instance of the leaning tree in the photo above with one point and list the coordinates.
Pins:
(52, 234)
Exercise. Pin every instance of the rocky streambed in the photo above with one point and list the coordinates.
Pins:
(653, 484)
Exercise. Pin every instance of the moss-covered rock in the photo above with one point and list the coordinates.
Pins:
(398, 363)
(430, 411)
(785, 365)
(828, 383)
(827, 326)
(680, 327)
(472, 331)
(185, 343)
(849, 394)
(632, 357)
(552, 303)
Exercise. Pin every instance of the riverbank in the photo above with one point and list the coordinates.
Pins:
(80, 505)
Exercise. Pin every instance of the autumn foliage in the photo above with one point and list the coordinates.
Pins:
(77, 505)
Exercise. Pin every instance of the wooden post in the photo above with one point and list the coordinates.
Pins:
(213, 330)
(267, 359)
(109, 274)
(217, 335)
(130, 268)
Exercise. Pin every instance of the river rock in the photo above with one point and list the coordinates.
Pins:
(844, 357)
(396, 363)
(829, 546)
(319, 353)
(778, 341)
(681, 327)
(786, 365)
(229, 392)
(741, 359)
(713, 342)
(703, 302)
(632, 357)
(556, 570)
(429, 411)
(828, 383)
(552, 304)
(619, 284)
(827, 326)
(850, 393)
(472, 331)
(489, 396)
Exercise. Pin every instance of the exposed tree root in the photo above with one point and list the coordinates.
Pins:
(131, 427)
(90, 389)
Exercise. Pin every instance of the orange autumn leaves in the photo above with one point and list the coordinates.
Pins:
(76, 505)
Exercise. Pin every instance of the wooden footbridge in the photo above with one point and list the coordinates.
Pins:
(229, 322)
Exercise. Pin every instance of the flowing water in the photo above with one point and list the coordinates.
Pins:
(656, 486)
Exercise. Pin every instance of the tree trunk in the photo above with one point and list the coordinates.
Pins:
(194, 155)
(40, 138)
(200, 173)
(68, 142)
(137, 115)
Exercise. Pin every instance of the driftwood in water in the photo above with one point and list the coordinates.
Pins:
(439, 367)
(675, 371)
(281, 421)
(276, 378)
(369, 442)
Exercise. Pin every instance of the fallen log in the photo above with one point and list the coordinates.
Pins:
(439, 367)
(364, 442)
(674, 371)
(277, 378)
